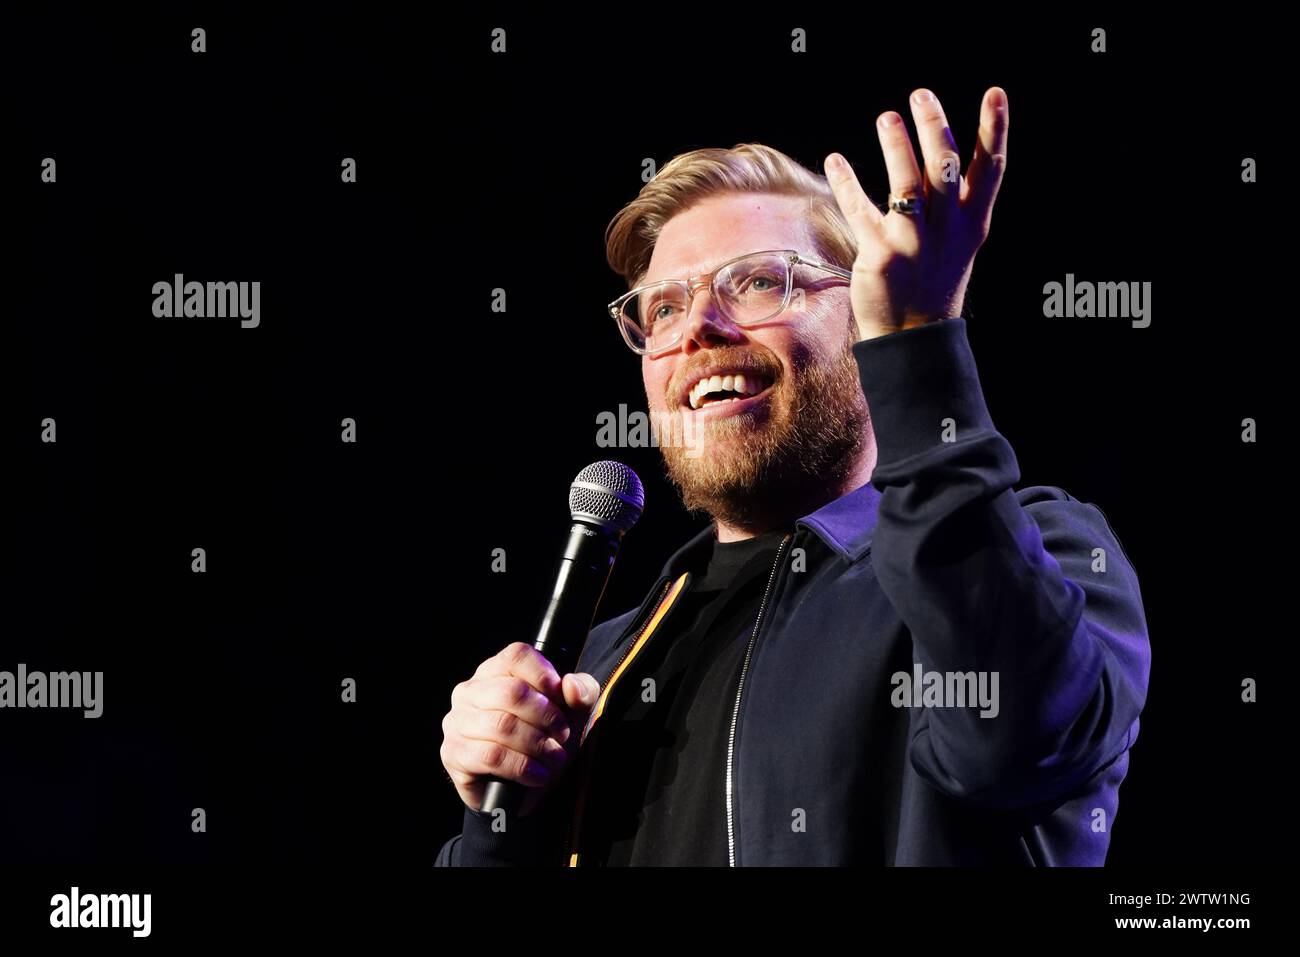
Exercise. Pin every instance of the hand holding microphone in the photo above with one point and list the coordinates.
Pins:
(515, 725)
(514, 721)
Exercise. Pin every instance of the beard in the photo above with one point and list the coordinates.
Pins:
(767, 464)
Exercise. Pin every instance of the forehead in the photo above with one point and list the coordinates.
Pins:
(725, 226)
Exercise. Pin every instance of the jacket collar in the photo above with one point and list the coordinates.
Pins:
(845, 525)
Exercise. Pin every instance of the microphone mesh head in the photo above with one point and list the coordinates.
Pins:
(608, 493)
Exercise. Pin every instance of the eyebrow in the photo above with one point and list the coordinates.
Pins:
(695, 271)
(698, 270)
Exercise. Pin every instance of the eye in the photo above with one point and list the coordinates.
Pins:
(662, 307)
(754, 283)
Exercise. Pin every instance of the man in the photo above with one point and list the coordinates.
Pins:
(879, 652)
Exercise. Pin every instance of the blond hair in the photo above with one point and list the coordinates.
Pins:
(745, 168)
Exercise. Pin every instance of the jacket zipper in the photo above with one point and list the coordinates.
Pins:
(735, 711)
(654, 607)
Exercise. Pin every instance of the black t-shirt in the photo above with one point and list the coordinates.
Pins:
(659, 784)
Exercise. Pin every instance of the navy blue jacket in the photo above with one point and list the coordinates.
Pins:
(936, 565)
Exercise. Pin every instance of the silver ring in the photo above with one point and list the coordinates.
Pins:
(907, 205)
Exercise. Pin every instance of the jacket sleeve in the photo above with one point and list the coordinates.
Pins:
(524, 843)
(990, 580)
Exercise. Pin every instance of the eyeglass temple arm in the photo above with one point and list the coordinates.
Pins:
(842, 273)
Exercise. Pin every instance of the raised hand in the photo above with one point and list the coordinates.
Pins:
(913, 268)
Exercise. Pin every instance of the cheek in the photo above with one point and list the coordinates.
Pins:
(796, 355)
(655, 381)
(788, 347)
(817, 340)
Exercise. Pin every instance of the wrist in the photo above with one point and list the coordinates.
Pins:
(870, 331)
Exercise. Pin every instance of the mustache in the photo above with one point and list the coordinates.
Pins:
(745, 361)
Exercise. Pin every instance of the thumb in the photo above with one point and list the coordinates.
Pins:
(580, 691)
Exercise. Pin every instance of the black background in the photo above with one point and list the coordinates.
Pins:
(477, 171)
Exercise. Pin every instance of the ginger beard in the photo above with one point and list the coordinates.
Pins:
(803, 441)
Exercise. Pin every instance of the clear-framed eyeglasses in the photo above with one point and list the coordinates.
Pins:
(746, 290)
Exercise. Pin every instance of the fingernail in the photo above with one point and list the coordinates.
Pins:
(997, 99)
(922, 96)
(835, 161)
(888, 119)
(563, 734)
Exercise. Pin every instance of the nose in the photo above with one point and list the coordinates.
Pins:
(706, 326)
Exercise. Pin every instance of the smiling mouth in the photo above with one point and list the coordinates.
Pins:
(716, 389)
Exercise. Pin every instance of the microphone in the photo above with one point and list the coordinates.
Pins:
(605, 500)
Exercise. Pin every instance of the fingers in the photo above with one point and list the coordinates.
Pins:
(503, 727)
(526, 662)
(514, 720)
(580, 691)
(900, 161)
(513, 732)
(863, 217)
(942, 161)
(990, 160)
(508, 693)
(469, 759)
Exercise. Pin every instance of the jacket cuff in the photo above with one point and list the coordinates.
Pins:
(913, 380)
(519, 844)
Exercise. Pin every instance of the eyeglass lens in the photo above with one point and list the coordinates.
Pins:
(747, 291)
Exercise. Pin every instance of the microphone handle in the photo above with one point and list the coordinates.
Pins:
(584, 570)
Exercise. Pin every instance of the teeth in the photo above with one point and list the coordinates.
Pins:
(728, 383)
